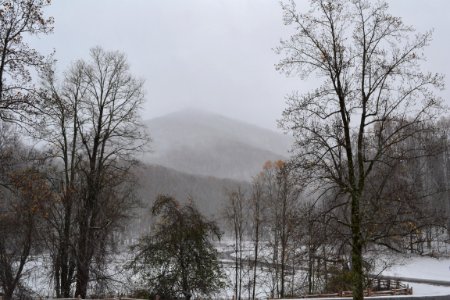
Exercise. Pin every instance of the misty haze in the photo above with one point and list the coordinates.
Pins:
(236, 149)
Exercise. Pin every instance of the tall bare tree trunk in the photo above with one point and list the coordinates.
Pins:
(255, 256)
(83, 261)
(357, 270)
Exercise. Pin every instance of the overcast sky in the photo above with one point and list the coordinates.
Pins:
(211, 54)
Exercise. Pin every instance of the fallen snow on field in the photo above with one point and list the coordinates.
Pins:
(423, 268)
(421, 289)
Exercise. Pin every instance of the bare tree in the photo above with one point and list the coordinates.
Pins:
(280, 191)
(438, 168)
(59, 129)
(18, 19)
(25, 195)
(272, 216)
(93, 128)
(255, 227)
(235, 212)
(110, 134)
(372, 95)
(288, 196)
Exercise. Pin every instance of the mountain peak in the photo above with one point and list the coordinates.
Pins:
(191, 111)
(195, 114)
(200, 142)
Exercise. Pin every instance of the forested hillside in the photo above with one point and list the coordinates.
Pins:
(208, 193)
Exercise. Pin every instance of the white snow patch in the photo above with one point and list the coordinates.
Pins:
(423, 268)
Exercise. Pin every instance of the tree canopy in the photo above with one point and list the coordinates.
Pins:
(373, 97)
(177, 257)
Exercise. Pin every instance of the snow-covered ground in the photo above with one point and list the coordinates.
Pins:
(418, 267)
(421, 289)
(422, 268)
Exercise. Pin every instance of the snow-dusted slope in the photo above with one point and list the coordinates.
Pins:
(202, 143)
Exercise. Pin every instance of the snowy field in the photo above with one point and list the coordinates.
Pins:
(423, 268)
(417, 267)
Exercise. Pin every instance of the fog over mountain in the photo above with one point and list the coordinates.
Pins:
(203, 143)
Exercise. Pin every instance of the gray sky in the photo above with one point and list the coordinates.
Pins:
(211, 54)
